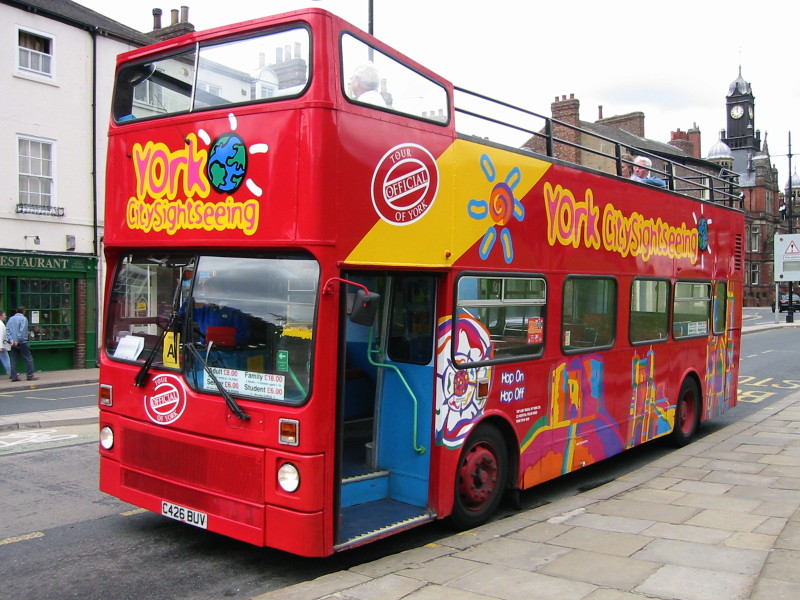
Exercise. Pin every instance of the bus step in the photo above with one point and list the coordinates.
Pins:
(373, 520)
(367, 487)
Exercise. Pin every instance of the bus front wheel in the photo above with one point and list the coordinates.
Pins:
(687, 414)
(480, 478)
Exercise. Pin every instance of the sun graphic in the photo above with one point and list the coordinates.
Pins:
(703, 227)
(500, 208)
(227, 161)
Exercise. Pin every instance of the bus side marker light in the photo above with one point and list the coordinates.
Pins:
(107, 437)
(289, 432)
(105, 394)
(288, 478)
(483, 389)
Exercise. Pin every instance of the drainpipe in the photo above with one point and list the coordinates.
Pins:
(93, 33)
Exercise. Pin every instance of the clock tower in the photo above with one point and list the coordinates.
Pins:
(742, 137)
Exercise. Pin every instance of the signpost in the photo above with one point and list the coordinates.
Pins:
(787, 267)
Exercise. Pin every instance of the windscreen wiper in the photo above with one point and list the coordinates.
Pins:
(141, 376)
(229, 400)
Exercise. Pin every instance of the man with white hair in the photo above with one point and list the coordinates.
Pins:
(641, 172)
(364, 85)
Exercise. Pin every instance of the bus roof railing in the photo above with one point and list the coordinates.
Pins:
(520, 128)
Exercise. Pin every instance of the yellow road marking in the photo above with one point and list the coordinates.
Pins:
(22, 538)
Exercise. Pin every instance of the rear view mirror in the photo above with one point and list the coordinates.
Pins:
(365, 307)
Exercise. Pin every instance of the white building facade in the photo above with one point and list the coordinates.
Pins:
(57, 62)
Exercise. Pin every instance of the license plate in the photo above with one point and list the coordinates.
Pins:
(185, 515)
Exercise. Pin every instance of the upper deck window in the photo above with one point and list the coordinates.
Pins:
(270, 66)
(375, 79)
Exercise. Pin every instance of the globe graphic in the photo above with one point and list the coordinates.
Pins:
(227, 163)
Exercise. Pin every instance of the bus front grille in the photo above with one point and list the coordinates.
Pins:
(194, 462)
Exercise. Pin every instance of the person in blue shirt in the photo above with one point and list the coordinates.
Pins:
(207, 315)
(641, 172)
(17, 335)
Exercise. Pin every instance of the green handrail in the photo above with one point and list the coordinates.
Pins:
(370, 350)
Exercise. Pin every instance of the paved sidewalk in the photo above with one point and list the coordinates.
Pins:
(716, 520)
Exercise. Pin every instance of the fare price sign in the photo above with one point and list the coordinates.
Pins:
(787, 257)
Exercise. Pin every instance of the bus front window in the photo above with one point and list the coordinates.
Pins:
(268, 66)
(251, 321)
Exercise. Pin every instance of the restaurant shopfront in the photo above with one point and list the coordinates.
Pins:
(59, 293)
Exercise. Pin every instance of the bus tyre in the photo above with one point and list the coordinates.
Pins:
(687, 414)
(480, 478)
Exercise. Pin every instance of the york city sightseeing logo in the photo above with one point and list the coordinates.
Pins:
(174, 185)
(167, 401)
(404, 184)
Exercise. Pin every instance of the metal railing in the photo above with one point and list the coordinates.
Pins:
(503, 123)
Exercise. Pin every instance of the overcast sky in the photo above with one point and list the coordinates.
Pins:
(673, 61)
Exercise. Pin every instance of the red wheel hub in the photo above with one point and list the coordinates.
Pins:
(478, 477)
(686, 413)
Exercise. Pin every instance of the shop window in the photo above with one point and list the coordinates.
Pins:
(49, 306)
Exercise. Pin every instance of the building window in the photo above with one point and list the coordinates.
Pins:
(755, 271)
(755, 239)
(35, 174)
(35, 52)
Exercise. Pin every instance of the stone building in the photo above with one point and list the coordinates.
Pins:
(758, 179)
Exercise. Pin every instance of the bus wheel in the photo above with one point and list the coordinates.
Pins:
(687, 414)
(480, 478)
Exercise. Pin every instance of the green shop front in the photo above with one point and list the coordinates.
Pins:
(59, 293)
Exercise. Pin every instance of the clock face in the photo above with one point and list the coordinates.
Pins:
(737, 111)
(750, 112)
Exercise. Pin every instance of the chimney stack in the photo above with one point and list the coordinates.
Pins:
(156, 19)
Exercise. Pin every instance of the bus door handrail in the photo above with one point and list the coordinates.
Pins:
(376, 349)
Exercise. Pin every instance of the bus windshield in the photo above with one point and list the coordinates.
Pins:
(251, 318)
(268, 66)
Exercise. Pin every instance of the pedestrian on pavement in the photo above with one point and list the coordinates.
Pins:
(17, 332)
(4, 345)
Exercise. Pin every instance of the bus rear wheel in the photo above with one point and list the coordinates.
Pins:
(687, 414)
(480, 478)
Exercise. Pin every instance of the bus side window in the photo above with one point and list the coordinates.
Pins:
(588, 313)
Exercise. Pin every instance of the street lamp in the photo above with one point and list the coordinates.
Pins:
(370, 17)
(789, 207)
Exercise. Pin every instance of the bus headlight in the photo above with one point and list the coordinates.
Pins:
(107, 437)
(288, 477)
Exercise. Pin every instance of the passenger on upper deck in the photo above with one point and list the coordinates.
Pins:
(641, 172)
(626, 165)
(364, 85)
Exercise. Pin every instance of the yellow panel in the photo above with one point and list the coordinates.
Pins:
(447, 230)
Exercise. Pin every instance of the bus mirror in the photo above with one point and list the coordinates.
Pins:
(139, 74)
(365, 306)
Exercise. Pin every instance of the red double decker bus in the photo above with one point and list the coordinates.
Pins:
(330, 316)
